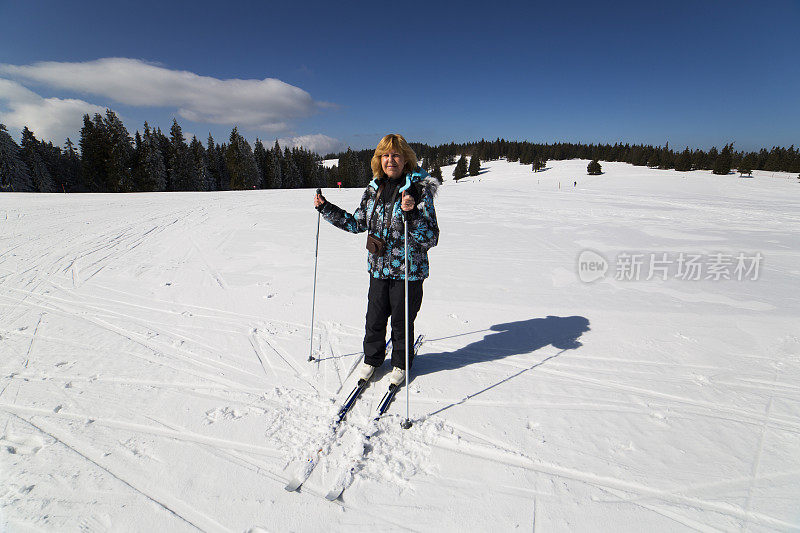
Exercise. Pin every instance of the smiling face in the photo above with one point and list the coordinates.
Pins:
(392, 163)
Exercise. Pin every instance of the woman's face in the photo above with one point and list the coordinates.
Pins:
(392, 163)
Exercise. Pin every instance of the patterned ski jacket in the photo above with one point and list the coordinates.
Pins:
(387, 223)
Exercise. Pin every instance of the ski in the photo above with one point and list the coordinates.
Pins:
(346, 473)
(312, 458)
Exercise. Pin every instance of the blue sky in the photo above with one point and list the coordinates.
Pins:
(698, 73)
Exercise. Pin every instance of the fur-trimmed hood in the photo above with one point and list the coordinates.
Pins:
(420, 178)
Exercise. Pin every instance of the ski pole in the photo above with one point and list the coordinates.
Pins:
(314, 290)
(405, 424)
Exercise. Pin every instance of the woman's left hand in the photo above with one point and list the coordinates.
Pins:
(407, 204)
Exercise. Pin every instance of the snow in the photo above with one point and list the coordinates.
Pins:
(154, 374)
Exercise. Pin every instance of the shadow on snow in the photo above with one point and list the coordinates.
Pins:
(505, 340)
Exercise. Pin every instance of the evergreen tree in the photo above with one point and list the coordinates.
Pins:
(181, 169)
(666, 159)
(93, 168)
(437, 172)
(745, 168)
(642, 157)
(263, 161)
(711, 159)
(684, 162)
(527, 154)
(119, 155)
(512, 154)
(474, 165)
(349, 170)
(14, 175)
(138, 150)
(151, 174)
(42, 180)
(747, 164)
(461, 169)
(699, 159)
(214, 164)
(292, 179)
(794, 164)
(70, 167)
(773, 162)
(241, 163)
(593, 168)
(200, 172)
(276, 179)
(722, 164)
(426, 164)
(654, 160)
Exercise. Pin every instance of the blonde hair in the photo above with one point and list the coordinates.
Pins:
(396, 142)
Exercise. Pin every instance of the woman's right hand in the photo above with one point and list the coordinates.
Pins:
(319, 201)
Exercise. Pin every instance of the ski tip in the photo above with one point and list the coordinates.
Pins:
(334, 495)
(293, 485)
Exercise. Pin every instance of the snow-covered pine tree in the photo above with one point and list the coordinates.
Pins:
(593, 168)
(119, 156)
(40, 175)
(241, 163)
(275, 178)
(14, 175)
(70, 167)
(200, 165)
(181, 170)
(138, 149)
(292, 179)
(213, 163)
(263, 162)
(93, 153)
(151, 173)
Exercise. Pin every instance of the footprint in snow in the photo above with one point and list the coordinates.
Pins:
(226, 413)
(22, 444)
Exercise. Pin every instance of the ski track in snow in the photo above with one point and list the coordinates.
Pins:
(153, 369)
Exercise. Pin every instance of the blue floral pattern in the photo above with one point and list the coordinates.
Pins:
(423, 229)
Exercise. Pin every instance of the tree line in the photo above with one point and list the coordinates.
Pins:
(534, 154)
(110, 160)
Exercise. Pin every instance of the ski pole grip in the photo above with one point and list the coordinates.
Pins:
(319, 191)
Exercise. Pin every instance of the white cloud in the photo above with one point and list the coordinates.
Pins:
(319, 143)
(50, 119)
(267, 104)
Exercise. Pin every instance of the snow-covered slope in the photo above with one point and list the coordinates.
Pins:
(153, 348)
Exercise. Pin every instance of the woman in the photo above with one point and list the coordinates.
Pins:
(381, 212)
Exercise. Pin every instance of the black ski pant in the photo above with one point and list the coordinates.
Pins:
(386, 298)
